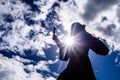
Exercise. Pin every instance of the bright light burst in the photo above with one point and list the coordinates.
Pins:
(69, 41)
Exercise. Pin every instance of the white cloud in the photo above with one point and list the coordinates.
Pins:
(94, 8)
(42, 65)
(12, 69)
(18, 58)
(35, 76)
(69, 12)
(50, 78)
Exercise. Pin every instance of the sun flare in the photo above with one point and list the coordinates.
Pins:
(69, 41)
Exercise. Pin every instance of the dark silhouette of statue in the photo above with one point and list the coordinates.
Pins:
(79, 66)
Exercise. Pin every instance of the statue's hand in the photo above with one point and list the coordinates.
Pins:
(54, 37)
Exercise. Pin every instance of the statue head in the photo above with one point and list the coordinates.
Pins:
(77, 28)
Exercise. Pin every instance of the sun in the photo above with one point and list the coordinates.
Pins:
(69, 41)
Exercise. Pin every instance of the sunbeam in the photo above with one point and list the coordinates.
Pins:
(69, 41)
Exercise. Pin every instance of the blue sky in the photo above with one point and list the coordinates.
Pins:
(27, 51)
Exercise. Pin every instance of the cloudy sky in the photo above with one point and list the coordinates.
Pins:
(27, 51)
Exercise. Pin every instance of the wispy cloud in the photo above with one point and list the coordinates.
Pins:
(94, 8)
